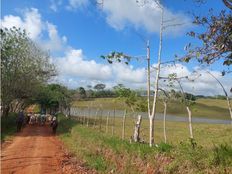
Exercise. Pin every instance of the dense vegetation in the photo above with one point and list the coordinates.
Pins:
(25, 71)
(24, 68)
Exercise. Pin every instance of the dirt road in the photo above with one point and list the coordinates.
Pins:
(36, 151)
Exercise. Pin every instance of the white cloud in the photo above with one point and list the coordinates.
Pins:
(54, 41)
(36, 28)
(121, 13)
(76, 71)
(75, 4)
(31, 22)
(54, 4)
(200, 82)
(128, 74)
(179, 69)
(73, 64)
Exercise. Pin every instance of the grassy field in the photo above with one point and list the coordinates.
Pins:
(205, 108)
(107, 153)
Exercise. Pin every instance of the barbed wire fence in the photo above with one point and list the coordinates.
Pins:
(113, 122)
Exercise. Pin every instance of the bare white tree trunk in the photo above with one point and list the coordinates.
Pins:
(137, 129)
(151, 131)
(107, 122)
(188, 110)
(229, 106)
(152, 116)
(123, 125)
(227, 97)
(190, 122)
(148, 79)
(165, 112)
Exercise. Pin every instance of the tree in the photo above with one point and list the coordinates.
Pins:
(81, 92)
(226, 95)
(165, 98)
(53, 97)
(24, 67)
(99, 86)
(216, 40)
(228, 3)
(186, 98)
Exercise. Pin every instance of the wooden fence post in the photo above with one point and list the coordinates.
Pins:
(107, 122)
(123, 125)
(113, 125)
(95, 117)
(88, 116)
(100, 120)
(137, 129)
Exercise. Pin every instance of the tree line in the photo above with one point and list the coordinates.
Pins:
(25, 72)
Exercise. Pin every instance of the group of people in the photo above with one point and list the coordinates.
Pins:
(40, 119)
(35, 119)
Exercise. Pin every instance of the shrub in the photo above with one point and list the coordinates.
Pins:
(222, 155)
(164, 147)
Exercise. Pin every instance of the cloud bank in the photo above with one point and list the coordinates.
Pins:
(75, 69)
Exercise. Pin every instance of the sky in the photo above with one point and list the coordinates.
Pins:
(77, 32)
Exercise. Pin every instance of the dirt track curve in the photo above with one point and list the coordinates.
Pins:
(36, 151)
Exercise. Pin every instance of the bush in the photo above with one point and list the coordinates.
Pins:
(222, 155)
(164, 147)
(8, 126)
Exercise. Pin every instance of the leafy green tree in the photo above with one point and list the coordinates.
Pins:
(117, 57)
(216, 40)
(131, 98)
(227, 3)
(81, 93)
(24, 67)
(99, 86)
(54, 97)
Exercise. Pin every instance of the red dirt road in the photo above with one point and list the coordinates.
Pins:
(36, 151)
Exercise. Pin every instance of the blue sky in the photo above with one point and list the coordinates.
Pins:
(77, 32)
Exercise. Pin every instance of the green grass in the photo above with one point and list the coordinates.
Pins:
(107, 153)
(214, 102)
(205, 108)
(8, 126)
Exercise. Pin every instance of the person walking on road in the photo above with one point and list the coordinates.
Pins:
(20, 120)
(54, 124)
